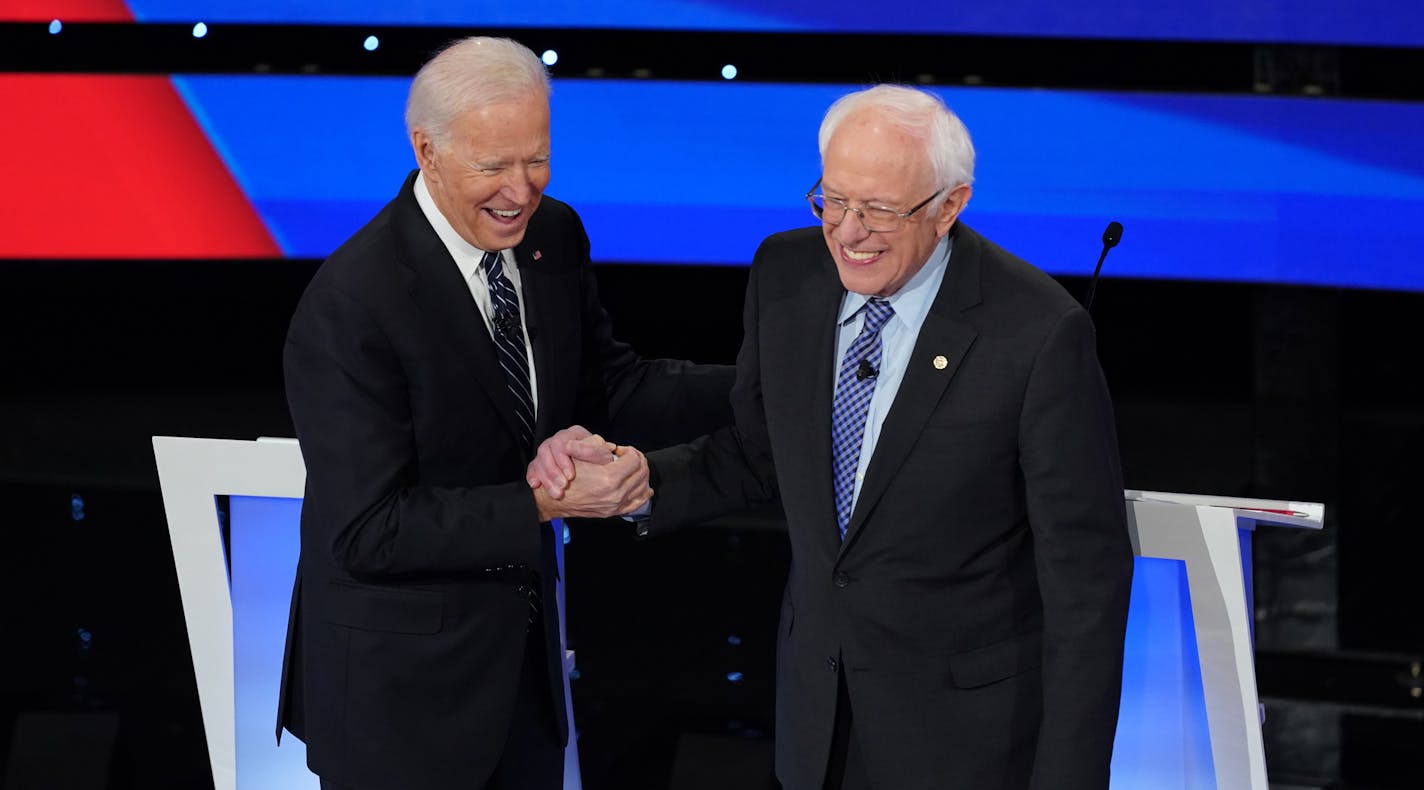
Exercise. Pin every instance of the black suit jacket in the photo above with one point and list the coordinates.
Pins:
(420, 538)
(978, 603)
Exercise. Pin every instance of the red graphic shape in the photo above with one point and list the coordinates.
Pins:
(65, 11)
(115, 167)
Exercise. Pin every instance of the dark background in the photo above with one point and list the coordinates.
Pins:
(1244, 390)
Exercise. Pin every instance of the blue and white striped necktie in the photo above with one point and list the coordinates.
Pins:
(509, 342)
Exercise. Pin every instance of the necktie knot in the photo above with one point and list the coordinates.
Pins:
(491, 263)
(877, 313)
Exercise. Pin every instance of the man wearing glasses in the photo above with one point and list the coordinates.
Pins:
(930, 411)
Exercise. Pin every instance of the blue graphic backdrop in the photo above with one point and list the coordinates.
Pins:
(1261, 189)
(1364, 22)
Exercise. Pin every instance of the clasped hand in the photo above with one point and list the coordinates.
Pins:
(576, 474)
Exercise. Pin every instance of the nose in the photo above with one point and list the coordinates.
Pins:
(519, 185)
(851, 230)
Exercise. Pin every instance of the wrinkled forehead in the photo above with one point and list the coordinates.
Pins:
(869, 159)
(521, 125)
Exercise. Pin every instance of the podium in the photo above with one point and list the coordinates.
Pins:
(237, 616)
(1205, 543)
(1190, 717)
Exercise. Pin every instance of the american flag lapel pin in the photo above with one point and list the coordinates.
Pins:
(538, 255)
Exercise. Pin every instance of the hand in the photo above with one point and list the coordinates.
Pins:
(553, 464)
(600, 490)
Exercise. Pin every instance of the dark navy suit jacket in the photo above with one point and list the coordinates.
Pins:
(420, 538)
(978, 603)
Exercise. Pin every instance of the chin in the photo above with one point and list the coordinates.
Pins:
(858, 282)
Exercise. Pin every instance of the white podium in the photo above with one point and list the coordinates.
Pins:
(1190, 715)
(1210, 535)
(238, 680)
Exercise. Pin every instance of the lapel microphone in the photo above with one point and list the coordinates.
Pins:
(504, 323)
(865, 371)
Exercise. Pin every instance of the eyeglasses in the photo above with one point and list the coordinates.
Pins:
(876, 219)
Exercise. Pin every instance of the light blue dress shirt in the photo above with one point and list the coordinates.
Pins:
(897, 340)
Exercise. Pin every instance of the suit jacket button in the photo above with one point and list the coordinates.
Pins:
(831, 662)
(841, 580)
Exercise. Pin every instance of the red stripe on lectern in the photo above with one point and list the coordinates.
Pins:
(115, 167)
(65, 11)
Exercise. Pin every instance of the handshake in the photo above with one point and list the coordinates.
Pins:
(576, 474)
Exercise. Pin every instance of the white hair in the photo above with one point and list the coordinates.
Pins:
(469, 73)
(921, 114)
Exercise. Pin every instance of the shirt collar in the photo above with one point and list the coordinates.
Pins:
(912, 302)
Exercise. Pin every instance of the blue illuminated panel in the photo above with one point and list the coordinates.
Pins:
(265, 541)
(1162, 738)
(1367, 22)
(1255, 189)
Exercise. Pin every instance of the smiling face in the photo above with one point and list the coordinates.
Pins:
(870, 162)
(488, 176)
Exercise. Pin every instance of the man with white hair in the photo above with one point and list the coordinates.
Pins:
(930, 411)
(428, 359)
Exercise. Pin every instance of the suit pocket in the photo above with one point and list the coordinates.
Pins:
(992, 663)
(388, 609)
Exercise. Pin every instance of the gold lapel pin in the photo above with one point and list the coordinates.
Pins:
(940, 362)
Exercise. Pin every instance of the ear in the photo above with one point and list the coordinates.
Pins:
(953, 204)
(424, 148)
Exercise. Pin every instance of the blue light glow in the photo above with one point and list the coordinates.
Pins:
(1243, 188)
(371, 43)
(729, 72)
(55, 26)
(1369, 22)
(200, 30)
(550, 57)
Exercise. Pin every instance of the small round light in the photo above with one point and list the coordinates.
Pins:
(55, 26)
(200, 30)
(729, 72)
(550, 57)
(371, 43)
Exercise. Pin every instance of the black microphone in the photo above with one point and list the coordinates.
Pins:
(1111, 236)
(865, 371)
(504, 323)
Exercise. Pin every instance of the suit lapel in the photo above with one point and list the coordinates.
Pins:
(800, 333)
(820, 364)
(945, 333)
(540, 319)
(440, 292)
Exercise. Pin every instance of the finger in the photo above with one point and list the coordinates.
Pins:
(592, 450)
(544, 472)
(574, 432)
(640, 499)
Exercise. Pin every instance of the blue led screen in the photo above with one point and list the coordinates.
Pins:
(1363, 22)
(1243, 188)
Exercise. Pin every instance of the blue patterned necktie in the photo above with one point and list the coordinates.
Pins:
(854, 388)
(509, 343)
